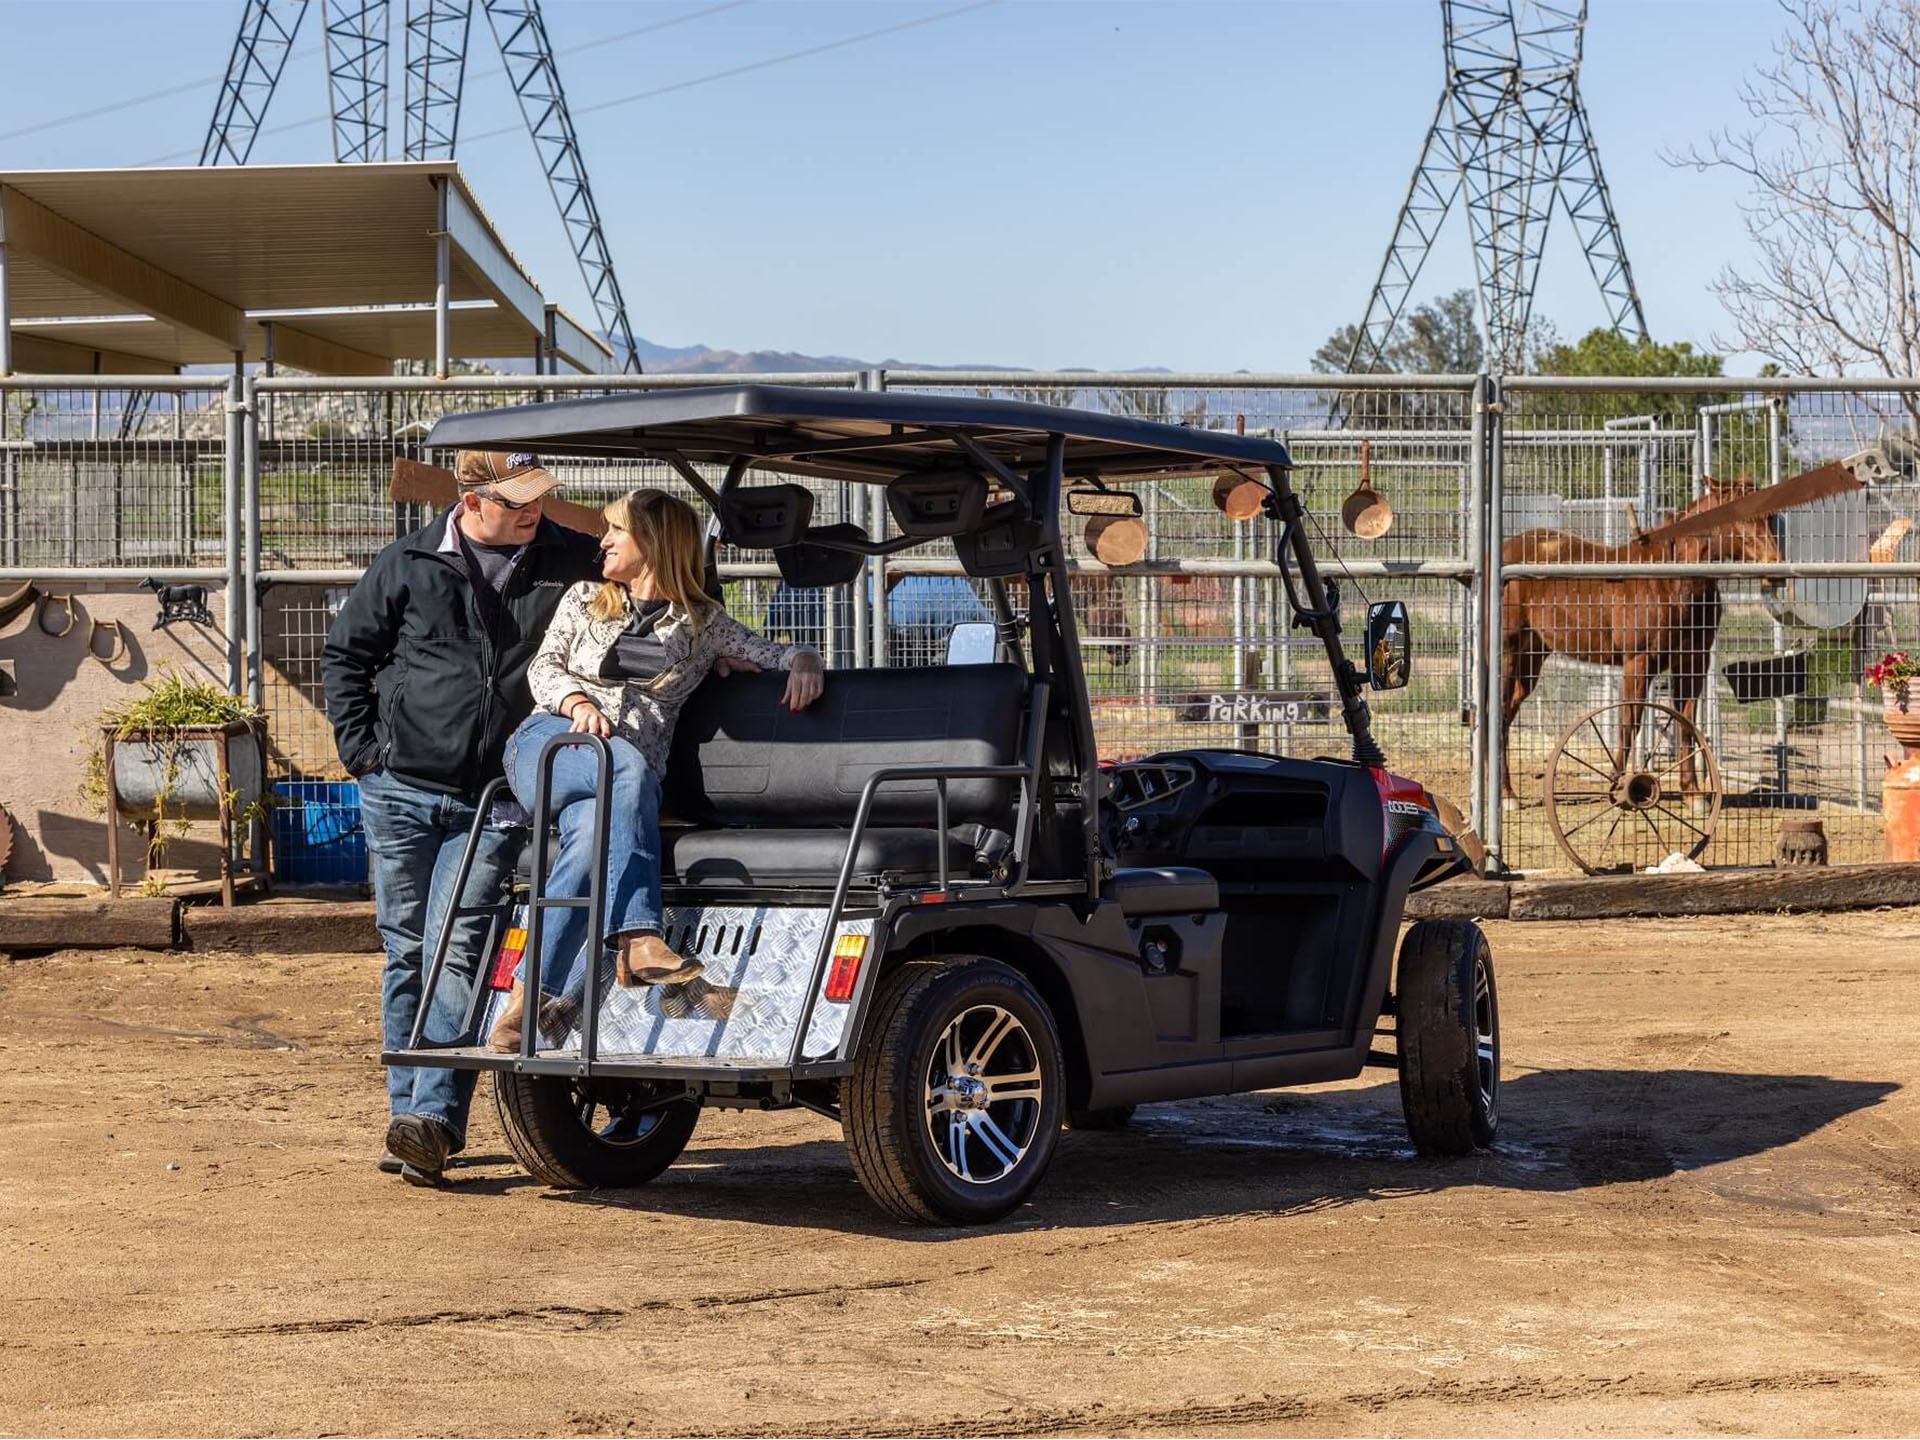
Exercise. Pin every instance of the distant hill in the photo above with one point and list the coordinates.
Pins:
(705, 360)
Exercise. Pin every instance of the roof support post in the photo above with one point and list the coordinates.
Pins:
(6, 302)
(442, 277)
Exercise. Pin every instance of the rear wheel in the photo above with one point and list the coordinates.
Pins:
(1448, 1021)
(593, 1134)
(954, 1104)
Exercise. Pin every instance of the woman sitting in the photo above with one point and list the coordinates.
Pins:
(619, 660)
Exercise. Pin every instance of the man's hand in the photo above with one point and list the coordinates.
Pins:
(587, 718)
(805, 682)
(726, 665)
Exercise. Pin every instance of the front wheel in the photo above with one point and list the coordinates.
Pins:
(954, 1104)
(1448, 1029)
(593, 1134)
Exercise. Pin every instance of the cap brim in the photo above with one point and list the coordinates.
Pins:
(527, 485)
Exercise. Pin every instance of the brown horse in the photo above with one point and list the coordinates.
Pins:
(1643, 627)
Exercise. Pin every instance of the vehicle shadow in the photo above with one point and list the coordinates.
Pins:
(1277, 1152)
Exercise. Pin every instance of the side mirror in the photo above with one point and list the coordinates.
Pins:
(1389, 645)
(972, 642)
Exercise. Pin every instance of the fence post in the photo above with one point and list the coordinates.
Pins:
(876, 597)
(250, 450)
(232, 501)
(1494, 429)
(1473, 609)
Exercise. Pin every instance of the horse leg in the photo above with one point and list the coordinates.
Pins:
(1636, 678)
(1686, 699)
(1522, 657)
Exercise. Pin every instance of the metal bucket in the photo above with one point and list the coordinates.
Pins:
(178, 775)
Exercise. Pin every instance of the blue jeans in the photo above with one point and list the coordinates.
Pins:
(415, 838)
(632, 882)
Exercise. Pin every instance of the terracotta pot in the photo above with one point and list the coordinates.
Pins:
(1902, 702)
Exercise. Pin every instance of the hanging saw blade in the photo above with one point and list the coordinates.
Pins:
(1830, 479)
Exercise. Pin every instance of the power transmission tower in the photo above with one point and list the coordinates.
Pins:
(436, 62)
(1511, 131)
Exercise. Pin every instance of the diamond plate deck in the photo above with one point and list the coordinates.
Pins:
(766, 952)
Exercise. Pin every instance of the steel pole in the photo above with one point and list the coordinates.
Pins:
(6, 295)
(442, 277)
(1494, 429)
(250, 475)
(232, 499)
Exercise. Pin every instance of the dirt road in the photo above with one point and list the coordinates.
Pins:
(1704, 1215)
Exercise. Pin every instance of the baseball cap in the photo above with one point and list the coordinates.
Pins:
(517, 476)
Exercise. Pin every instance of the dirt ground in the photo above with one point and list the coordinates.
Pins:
(1703, 1215)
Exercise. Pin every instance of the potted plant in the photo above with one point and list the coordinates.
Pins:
(185, 750)
(1897, 675)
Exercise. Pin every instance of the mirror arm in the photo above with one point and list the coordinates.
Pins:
(1318, 615)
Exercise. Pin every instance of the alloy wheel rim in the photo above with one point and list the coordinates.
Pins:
(1486, 1037)
(983, 1095)
(620, 1115)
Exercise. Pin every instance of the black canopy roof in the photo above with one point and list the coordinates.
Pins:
(871, 435)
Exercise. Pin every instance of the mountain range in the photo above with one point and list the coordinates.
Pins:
(705, 360)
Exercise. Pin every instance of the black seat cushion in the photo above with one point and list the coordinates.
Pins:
(805, 857)
(1163, 889)
(741, 758)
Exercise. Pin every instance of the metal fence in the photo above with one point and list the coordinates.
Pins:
(279, 488)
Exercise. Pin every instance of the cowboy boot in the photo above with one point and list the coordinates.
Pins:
(504, 1038)
(645, 959)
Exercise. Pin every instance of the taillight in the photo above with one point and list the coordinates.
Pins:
(848, 952)
(512, 947)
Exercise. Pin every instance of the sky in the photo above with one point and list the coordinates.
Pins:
(1200, 185)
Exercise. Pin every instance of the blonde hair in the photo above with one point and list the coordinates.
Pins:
(668, 534)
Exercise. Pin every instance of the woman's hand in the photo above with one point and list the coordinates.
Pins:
(805, 681)
(587, 717)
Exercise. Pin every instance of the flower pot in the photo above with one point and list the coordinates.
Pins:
(1902, 702)
(175, 774)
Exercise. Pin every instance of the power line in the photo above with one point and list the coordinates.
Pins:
(756, 65)
(131, 101)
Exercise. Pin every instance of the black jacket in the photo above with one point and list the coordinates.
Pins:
(415, 683)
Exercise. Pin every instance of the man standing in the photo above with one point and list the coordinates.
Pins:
(425, 672)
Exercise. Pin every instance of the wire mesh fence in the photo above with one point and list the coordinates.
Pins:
(1639, 698)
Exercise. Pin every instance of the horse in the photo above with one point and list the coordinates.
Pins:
(1643, 627)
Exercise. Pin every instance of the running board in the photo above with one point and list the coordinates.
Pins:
(694, 1069)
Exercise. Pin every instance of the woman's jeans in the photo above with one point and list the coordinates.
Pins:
(632, 893)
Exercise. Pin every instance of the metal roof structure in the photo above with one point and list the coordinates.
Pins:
(870, 435)
(336, 269)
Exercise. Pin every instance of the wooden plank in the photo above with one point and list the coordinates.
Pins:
(1463, 898)
(33, 922)
(1716, 892)
(285, 927)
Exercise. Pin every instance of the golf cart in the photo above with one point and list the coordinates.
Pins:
(949, 926)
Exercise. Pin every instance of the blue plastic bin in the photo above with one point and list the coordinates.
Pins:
(317, 839)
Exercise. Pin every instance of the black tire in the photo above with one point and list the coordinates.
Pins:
(1448, 1021)
(889, 1101)
(1107, 1117)
(644, 1130)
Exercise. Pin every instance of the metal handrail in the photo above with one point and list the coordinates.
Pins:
(455, 912)
(595, 900)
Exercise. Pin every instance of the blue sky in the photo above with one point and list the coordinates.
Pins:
(1199, 185)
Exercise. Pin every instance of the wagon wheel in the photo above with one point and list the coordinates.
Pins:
(1612, 813)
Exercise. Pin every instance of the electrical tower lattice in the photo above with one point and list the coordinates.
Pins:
(1512, 132)
(356, 35)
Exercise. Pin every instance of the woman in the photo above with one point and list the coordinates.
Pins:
(619, 660)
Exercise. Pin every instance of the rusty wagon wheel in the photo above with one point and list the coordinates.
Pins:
(1622, 813)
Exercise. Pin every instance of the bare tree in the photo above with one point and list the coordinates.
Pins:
(1833, 157)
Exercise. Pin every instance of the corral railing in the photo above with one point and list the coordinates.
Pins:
(278, 488)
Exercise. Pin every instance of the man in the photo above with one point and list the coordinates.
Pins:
(425, 672)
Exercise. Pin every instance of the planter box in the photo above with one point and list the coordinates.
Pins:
(178, 774)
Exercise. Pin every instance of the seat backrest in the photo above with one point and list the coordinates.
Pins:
(741, 758)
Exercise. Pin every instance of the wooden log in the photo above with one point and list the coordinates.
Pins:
(1238, 497)
(61, 922)
(1463, 898)
(1715, 892)
(418, 484)
(1117, 539)
(285, 927)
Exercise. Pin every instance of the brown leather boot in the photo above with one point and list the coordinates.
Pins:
(504, 1038)
(645, 959)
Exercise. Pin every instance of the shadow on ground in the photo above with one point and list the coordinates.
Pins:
(1561, 1130)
